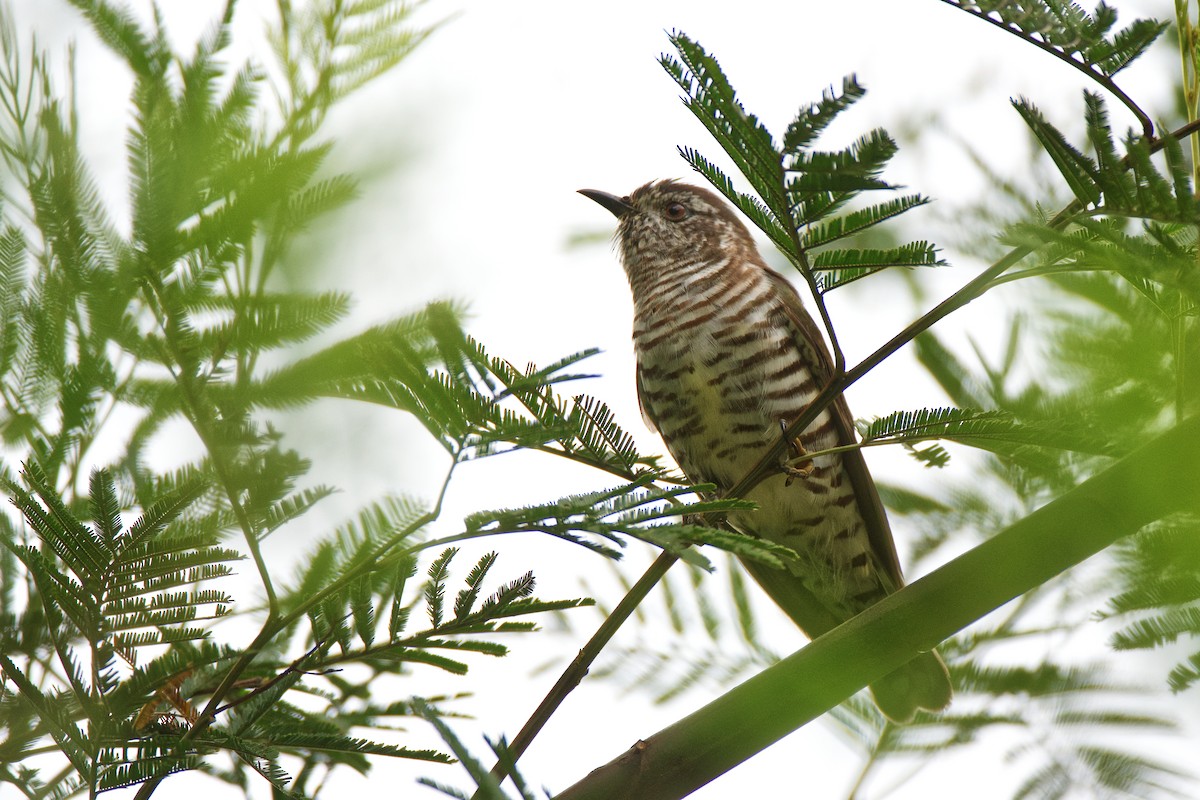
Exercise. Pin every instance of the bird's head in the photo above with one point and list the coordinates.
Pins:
(667, 224)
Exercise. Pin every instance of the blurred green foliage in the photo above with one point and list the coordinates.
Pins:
(115, 571)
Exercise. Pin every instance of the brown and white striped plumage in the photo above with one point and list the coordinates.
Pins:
(727, 357)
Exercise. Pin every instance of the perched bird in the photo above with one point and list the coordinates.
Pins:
(727, 358)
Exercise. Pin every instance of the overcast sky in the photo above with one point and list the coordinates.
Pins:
(494, 124)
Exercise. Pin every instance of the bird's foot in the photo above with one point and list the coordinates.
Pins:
(794, 472)
(797, 466)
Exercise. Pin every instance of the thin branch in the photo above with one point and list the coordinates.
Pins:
(292, 668)
(870, 763)
(578, 668)
(799, 259)
(1087, 69)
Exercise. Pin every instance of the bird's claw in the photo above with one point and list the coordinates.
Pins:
(796, 466)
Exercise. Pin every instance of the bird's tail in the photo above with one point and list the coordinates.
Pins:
(922, 683)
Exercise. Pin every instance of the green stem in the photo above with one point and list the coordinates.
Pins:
(1189, 75)
(799, 258)
(871, 761)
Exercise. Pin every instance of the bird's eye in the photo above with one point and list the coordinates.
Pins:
(676, 211)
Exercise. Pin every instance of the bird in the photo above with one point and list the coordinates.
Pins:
(727, 359)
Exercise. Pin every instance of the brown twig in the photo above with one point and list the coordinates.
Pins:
(579, 667)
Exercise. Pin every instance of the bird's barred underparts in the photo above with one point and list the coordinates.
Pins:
(727, 359)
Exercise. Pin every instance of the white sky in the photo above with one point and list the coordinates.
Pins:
(496, 122)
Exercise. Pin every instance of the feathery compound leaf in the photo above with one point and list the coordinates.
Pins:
(839, 267)
(1064, 29)
(337, 744)
(1160, 575)
(834, 228)
(154, 760)
(1179, 168)
(710, 97)
(292, 507)
(799, 189)
(118, 28)
(53, 713)
(1130, 184)
(1079, 171)
(1114, 182)
(506, 596)
(163, 512)
(982, 429)
(594, 518)
(435, 589)
(734, 543)
(327, 53)
(405, 570)
(340, 369)
(598, 433)
(1161, 629)
(271, 320)
(852, 169)
(1161, 258)
(1160, 567)
(318, 200)
(81, 550)
(467, 597)
(169, 317)
(811, 121)
(1185, 675)
(106, 510)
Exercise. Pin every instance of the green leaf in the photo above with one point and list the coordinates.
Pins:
(811, 121)
(1079, 171)
(467, 597)
(118, 28)
(839, 267)
(106, 510)
(835, 228)
(983, 429)
(710, 97)
(435, 589)
(1067, 31)
(332, 743)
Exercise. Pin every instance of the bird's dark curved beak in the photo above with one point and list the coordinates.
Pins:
(619, 206)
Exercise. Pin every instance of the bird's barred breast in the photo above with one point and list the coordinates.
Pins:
(720, 379)
(719, 375)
